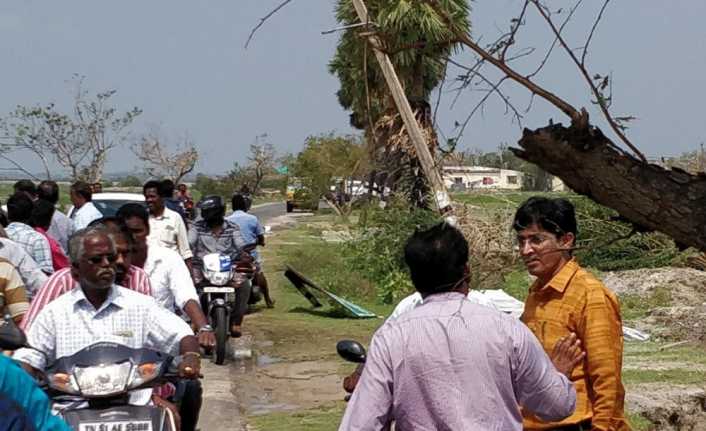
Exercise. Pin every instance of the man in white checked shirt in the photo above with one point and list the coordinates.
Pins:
(98, 310)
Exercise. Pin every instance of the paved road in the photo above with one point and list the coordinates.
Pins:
(221, 410)
(266, 212)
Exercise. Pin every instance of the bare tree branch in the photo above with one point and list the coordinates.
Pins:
(593, 29)
(556, 39)
(513, 31)
(463, 37)
(153, 150)
(599, 98)
(263, 19)
(18, 166)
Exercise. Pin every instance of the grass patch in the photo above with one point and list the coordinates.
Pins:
(516, 284)
(677, 376)
(321, 419)
(638, 422)
(639, 306)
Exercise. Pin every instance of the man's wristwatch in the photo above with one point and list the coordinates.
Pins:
(206, 328)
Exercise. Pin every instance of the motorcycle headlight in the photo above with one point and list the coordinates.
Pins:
(144, 373)
(103, 380)
(218, 278)
(63, 382)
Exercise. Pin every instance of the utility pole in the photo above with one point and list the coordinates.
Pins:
(441, 197)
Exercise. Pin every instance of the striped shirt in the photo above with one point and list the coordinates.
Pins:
(12, 291)
(450, 364)
(62, 281)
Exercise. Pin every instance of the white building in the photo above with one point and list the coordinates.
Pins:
(480, 177)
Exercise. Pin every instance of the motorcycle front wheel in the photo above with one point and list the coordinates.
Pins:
(220, 321)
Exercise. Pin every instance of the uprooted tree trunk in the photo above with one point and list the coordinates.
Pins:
(649, 196)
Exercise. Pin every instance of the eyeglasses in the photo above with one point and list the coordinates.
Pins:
(99, 258)
(534, 241)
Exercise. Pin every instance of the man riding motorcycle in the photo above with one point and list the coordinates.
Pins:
(253, 233)
(214, 234)
(98, 310)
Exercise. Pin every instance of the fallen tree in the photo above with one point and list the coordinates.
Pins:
(651, 197)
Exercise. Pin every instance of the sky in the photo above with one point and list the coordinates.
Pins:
(185, 65)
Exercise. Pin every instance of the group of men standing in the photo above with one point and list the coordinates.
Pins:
(443, 361)
(114, 263)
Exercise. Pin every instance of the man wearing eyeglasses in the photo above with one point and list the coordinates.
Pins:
(97, 310)
(565, 299)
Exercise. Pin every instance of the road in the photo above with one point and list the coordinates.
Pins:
(221, 409)
(266, 212)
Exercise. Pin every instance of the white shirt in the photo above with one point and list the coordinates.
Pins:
(85, 215)
(71, 323)
(61, 229)
(170, 279)
(168, 230)
(415, 300)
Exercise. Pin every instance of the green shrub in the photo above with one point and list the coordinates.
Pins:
(376, 251)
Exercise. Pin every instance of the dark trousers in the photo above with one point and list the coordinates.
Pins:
(583, 426)
(189, 395)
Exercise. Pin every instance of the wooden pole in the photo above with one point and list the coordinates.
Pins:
(441, 197)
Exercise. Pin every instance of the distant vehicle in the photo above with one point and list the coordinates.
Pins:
(299, 196)
(109, 203)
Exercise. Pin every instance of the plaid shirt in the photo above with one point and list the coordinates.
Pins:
(202, 241)
(34, 244)
(62, 282)
(575, 301)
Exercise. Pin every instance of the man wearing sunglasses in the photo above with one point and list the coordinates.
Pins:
(566, 299)
(97, 310)
(126, 274)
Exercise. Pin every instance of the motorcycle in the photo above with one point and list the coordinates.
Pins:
(352, 351)
(218, 298)
(103, 374)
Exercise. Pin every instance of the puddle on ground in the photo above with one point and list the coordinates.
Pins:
(265, 384)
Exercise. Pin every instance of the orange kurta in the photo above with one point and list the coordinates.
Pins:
(575, 301)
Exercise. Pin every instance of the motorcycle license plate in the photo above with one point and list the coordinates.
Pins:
(116, 426)
(213, 289)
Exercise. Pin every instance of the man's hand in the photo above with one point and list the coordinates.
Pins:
(169, 406)
(350, 382)
(207, 339)
(567, 354)
(190, 366)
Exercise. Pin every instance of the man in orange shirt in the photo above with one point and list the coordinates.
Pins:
(567, 299)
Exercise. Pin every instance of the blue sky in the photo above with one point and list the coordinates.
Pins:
(185, 66)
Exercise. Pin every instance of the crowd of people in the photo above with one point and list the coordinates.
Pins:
(70, 280)
(445, 359)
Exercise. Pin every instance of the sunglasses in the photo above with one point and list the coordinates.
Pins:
(99, 258)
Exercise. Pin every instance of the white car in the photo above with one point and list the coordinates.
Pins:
(109, 203)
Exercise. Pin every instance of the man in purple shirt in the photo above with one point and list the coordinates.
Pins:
(451, 364)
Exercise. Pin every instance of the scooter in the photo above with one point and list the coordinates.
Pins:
(217, 291)
(103, 374)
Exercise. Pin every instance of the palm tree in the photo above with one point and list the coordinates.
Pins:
(418, 43)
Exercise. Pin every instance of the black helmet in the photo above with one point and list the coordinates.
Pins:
(211, 206)
(211, 202)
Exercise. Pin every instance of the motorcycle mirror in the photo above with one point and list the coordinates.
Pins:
(11, 337)
(351, 351)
